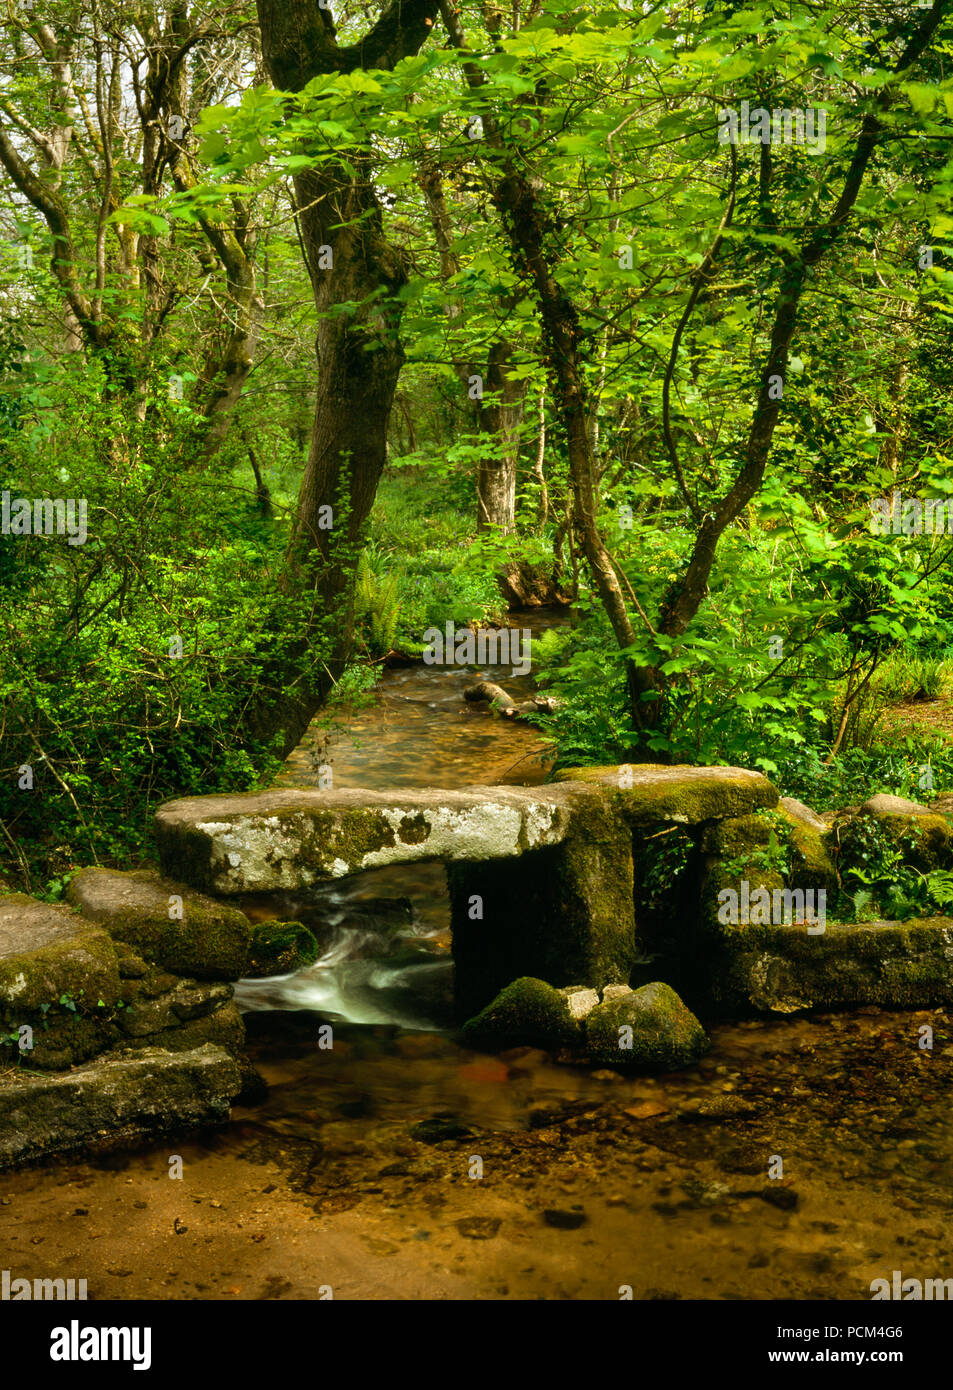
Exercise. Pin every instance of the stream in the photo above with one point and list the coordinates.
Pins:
(802, 1158)
(386, 933)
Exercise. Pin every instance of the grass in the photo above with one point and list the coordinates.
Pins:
(424, 565)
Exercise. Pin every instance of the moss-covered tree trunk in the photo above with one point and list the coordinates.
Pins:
(350, 262)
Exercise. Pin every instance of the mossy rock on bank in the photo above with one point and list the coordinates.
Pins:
(118, 1099)
(860, 838)
(787, 969)
(48, 954)
(527, 1013)
(774, 865)
(650, 793)
(925, 841)
(744, 840)
(187, 1000)
(647, 1029)
(224, 1027)
(60, 1040)
(209, 941)
(923, 835)
(280, 948)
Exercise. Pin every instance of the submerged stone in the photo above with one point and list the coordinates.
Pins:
(166, 922)
(648, 1029)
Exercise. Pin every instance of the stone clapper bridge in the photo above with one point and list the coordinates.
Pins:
(606, 880)
(542, 883)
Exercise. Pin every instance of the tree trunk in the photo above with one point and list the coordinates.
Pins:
(358, 350)
(499, 421)
(349, 261)
(500, 424)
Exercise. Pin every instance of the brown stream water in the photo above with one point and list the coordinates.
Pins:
(397, 1165)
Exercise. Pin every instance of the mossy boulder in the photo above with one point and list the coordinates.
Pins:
(527, 1013)
(781, 842)
(811, 865)
(778, 854)
(224, 1027)
(736, 901)
(925, 840)
(209, 940)
(647, 1029)
(280, 948)
(60, 1040)
(187, 1000)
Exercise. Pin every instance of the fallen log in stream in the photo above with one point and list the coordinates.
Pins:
(490, 693)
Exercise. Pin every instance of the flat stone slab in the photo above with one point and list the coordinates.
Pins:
(167, 923)
(290, 838)
(47, 951)
(652, 793)
(117, 1098)
(784, 969)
